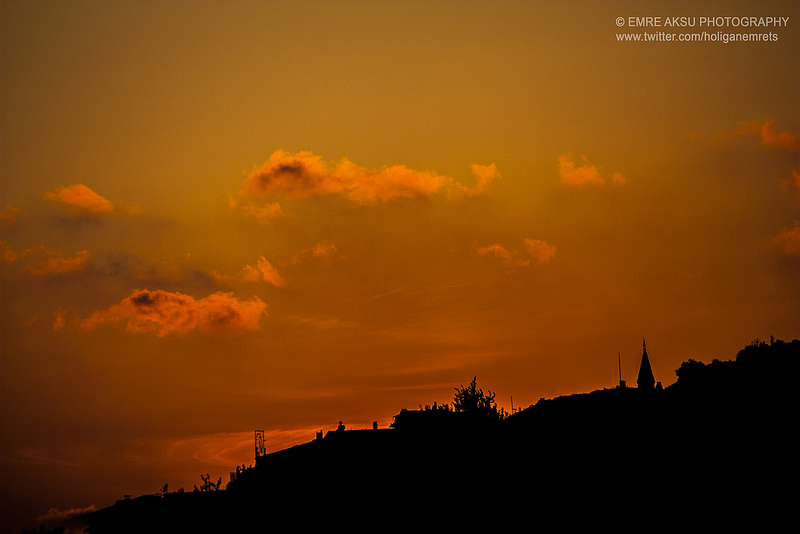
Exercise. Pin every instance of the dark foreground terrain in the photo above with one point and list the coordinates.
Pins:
(717, 449)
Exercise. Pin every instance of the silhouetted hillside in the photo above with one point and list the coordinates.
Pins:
(717, 444)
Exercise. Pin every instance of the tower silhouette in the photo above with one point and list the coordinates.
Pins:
(645, 380)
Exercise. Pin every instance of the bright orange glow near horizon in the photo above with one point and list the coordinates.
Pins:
(218, 217)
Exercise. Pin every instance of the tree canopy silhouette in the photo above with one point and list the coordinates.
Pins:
(472, 400)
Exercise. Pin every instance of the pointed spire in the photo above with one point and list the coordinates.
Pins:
(645, 380)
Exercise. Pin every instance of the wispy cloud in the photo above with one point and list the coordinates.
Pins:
(80, 198)
(60, 265)
(164, 313)
(52, 262)
(585, 174)
(324, 250)
(263, 271)
(264, 214)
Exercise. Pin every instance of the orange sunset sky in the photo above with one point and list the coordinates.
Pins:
(217, 217)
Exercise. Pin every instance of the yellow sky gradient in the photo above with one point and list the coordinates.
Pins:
(217, 217)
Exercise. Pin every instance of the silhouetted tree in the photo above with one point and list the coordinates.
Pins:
(207, 484)
(690, 370)
(472, 400)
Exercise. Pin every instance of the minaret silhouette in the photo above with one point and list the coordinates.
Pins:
(645, 380)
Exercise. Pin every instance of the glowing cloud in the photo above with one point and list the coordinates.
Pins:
(304, 175)
(81, 198)
(486, 174)
(584, 175)
(163, 313)
(262, 272)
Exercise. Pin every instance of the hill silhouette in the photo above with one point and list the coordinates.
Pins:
(714, 449)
